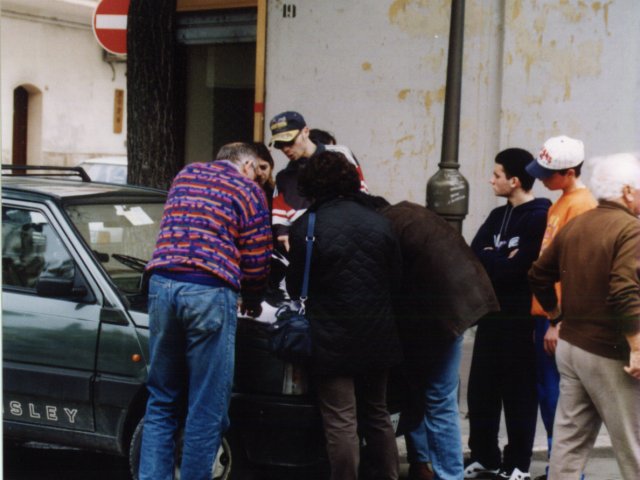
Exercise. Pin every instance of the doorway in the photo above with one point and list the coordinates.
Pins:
(220, 77)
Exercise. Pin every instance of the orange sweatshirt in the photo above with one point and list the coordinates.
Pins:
(568, 206)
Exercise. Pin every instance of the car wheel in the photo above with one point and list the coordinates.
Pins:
(222, 468)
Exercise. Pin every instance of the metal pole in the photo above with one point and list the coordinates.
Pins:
(448, 190)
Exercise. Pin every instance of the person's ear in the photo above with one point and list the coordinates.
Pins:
(628, 193)
(249, 169)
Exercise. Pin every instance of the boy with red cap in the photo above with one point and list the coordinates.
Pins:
(558, 167)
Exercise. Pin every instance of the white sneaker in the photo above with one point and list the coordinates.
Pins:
(477, 470)
(515, 475)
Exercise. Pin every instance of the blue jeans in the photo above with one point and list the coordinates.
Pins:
(191, 345)
(438, 438)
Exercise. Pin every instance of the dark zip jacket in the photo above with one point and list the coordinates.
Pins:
(287, 203)
(505, 231)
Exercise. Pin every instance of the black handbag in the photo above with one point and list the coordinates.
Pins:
(290, 334)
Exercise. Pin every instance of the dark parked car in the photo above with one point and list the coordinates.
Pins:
(75, 331)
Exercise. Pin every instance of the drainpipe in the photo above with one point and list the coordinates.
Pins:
(448, 190)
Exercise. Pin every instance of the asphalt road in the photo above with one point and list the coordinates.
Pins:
(49, 463)
(46, 463)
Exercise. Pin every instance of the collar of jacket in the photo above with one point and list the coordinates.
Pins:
(615, 205)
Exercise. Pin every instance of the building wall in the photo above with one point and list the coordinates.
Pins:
(62, 63)
(374, 74)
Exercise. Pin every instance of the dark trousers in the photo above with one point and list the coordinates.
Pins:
(344, 400)
(503, 373)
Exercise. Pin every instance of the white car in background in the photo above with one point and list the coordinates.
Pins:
(106, 169)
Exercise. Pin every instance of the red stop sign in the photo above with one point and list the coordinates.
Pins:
(110, 25)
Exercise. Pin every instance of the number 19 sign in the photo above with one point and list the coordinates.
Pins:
(110, 25)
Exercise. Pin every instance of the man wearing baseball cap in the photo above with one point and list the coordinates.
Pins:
(290, 134)
(558, 166)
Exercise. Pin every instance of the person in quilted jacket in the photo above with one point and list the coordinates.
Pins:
(355, 267)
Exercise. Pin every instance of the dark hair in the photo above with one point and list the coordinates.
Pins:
(577, 169)
(262, 151)
(328, 174)
(514, 161)
(321, 136)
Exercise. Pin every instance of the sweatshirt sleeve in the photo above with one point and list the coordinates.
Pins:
(255, 247)
(282, 213)
(297, 252)
(624, 284)
(503, 267)
(544, 273)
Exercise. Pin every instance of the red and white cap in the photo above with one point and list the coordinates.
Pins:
(558, 153)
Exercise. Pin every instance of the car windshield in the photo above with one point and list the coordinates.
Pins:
(122, 237)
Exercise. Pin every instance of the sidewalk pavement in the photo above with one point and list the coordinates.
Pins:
(601, 465)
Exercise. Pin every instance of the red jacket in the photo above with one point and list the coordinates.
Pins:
(288, 204)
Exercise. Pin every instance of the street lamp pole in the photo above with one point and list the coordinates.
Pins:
(448, 190)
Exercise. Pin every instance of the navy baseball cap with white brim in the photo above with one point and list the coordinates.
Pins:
(286, 126)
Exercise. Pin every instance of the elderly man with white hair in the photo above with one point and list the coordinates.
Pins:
(596, 256)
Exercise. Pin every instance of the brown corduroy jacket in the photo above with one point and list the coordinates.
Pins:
(596, 258)
(445, 287)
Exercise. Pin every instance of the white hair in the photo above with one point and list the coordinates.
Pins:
(612, 173)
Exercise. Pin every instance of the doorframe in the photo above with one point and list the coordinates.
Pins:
(20, 126)
(261, 46)
(27, 125)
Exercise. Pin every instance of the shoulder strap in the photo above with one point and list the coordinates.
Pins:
(307, 262)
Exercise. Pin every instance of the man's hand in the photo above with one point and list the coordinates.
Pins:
(634, 357)
(551, 339)
(251, 309)
(284, 241)
(634, 364)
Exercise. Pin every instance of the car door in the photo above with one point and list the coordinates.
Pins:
(50, 324)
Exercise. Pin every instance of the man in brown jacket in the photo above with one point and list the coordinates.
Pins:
(596, 257)
(445, 290)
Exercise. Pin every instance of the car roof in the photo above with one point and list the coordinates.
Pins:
(73, 191)
(119, 160)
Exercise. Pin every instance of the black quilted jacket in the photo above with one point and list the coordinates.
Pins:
(355, 266)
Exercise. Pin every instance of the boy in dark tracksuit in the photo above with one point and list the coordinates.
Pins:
(503, 363)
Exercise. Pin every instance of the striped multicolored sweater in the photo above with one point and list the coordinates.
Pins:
(215, 222)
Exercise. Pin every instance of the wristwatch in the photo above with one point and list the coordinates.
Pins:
(555, 321)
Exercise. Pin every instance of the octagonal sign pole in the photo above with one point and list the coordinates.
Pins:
(110, 25)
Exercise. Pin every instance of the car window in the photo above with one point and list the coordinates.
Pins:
(122, 237)
(31, 249)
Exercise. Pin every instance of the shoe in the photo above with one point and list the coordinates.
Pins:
(516, 474)
(477, 470)
(421, 471)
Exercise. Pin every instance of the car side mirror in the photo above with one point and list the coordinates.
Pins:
(59, 287)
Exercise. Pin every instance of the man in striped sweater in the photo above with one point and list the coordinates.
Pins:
(212, 255)
(290, 134)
